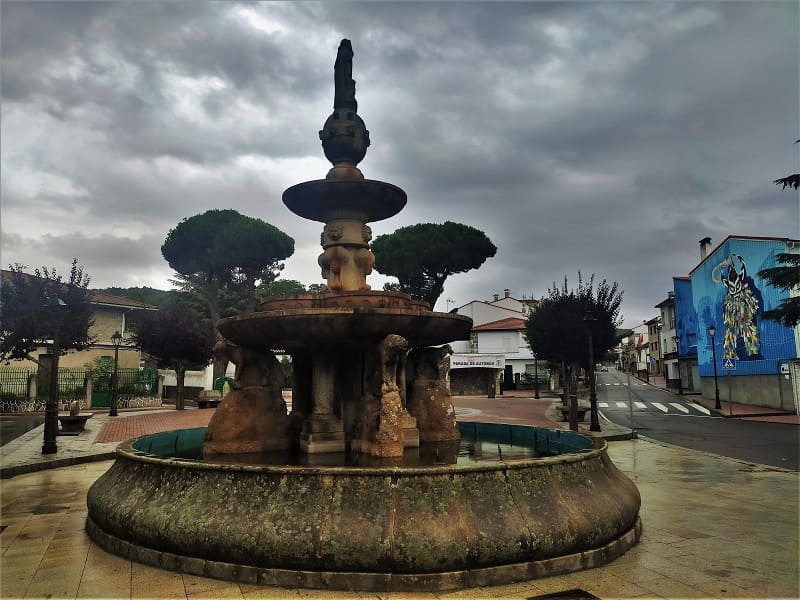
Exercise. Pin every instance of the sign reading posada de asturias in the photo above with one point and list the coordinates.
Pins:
(477, 361)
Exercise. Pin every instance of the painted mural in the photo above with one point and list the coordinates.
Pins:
(725, 291)
(739, 308)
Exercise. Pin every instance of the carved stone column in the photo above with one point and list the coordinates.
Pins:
(322, 429)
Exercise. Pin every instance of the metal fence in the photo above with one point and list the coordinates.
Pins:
(14, 382)
(137, 382)
(135, 387)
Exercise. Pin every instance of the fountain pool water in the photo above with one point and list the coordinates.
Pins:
(369, 483)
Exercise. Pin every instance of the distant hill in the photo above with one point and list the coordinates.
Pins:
(143, 294)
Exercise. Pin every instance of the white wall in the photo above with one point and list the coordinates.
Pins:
(482, 313)
(509, 303)
(510, 343)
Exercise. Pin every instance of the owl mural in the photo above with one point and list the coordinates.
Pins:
(739, 307)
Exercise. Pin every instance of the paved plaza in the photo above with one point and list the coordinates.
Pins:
(713, 527)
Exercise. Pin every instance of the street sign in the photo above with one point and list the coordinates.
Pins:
(729, 364)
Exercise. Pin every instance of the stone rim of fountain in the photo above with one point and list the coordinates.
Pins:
(598, 448)
(612, 492)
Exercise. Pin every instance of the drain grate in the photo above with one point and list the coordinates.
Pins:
(575, 594)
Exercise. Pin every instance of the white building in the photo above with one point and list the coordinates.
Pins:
(498, 329)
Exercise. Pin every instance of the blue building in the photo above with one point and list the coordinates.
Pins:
(756, 359)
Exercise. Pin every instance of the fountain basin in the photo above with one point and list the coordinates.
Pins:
(305, 328)
(358, 318)
(365, 200)
(372, 527)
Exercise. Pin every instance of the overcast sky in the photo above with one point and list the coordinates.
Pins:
(605, 137)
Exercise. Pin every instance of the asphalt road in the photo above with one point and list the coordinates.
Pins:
(13, 426)
(667, 417)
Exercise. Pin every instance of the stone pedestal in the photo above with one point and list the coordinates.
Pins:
(251, 419)
(322, 429)
(322, 433)
(410, 430)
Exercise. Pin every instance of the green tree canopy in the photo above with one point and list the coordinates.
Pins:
(423, 256)
(285, 287)
(784, 277)
(178, 338)
(224, 248)
(792, 181)
(32, 311)
(223, 255)
(558, 328)
(145, 294)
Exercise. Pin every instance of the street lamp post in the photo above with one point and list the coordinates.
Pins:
(116, 340)
(53, 305)
(536, 377)
(676, 339)
(712, 332)
(594, 425)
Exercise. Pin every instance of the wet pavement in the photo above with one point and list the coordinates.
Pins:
(13, 426)
(714, 527)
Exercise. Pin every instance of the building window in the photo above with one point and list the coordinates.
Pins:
(473, 341)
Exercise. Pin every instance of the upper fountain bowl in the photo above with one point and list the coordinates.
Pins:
(325, 200)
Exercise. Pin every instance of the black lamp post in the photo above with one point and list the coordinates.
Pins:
(536, 377)
(116, 340)
(676, 339)
(53, 305)
(594, 425)
(712, 332)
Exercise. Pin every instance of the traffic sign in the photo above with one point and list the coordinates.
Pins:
(729, 364)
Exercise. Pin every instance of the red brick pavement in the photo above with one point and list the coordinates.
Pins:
(506, 409)
(126, 428)
(502, 409)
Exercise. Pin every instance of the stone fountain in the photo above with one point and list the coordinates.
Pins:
(364, 485)
(349, 345)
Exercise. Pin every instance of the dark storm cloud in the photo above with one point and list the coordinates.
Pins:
(605, 137)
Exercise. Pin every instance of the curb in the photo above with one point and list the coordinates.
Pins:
(721, 412)
(56, 463)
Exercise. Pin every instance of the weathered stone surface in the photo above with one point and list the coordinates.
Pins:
(428, 393)
(248, 420)
(305, 328)
(252, 417)
(377, 520)
(380, 426)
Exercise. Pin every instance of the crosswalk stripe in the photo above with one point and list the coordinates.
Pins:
(680, 407)
(660, 406)
(702, 409)
(640, 405)
(621, 405)
(616, 384)
(602, 404)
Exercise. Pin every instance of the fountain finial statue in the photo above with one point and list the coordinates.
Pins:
(344, 136)
(345, 86)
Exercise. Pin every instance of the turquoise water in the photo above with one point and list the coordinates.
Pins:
(480, 443)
